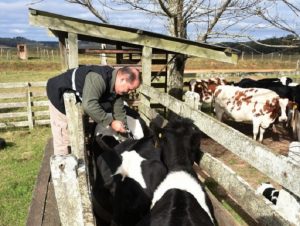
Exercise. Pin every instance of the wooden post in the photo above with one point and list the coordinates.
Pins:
(76, 133)
(72, 46)
(29, 109)
(192, 99)
(63, 52)
(119, 56)
(146, 73)
(66, 187)
(52, 54)
(103, 55)
(37, 52)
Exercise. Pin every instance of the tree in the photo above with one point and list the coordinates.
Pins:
(213, 20)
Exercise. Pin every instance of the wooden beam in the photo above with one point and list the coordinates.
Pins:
(66, 187)
(255, 205)
(138, 37)
(63, 53)
(146, 73)
(37, 206)
(72, 47)
(74, 114)
(275, 166)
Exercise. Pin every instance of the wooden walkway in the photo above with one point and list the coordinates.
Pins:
(43, 209)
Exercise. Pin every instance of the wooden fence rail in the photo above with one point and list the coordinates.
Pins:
(23, 104)
(277, 167)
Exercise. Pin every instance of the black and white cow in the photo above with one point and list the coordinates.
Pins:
(268, 191)
(128, 174)
(286, 203)
(180, 199)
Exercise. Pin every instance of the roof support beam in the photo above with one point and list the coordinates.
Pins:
(131, 36)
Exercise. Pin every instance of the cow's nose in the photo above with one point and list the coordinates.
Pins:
(282, 119)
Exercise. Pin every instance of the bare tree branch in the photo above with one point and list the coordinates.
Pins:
(295, 9)
(215, 20)
(165, 9)
(88, 4)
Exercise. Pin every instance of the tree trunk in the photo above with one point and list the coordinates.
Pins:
(175, 76)
(177, 28)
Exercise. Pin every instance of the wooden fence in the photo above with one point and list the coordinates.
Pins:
(23, 104)
(277, 167)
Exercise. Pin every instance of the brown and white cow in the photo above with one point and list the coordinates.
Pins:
(259, 106)
(206, 88)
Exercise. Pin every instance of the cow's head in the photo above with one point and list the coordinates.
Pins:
(283, 103)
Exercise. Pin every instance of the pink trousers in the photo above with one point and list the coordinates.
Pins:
(59, 128)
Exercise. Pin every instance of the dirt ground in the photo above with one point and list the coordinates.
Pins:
(278, 143)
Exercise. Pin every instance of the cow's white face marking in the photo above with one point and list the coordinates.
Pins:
(131, 167)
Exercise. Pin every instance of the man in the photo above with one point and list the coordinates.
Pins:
(100, 88)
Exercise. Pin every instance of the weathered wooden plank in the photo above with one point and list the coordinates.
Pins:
(13, 105)
(38, 84)
(36, 210)
(39, 93)
(255, 205)
(12, 95)
(41, 113)
(66, 187)
(51, 215)
(223, 217)
(67, 24)
(275, 166)
(14, 124)
(40, 103)
(42, 122)
(13, 115)
(76, 133)
(146, 72)
(75, 127)
(29, 110)
(72, 46)
(13, 85)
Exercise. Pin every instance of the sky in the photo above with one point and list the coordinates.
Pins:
(14, 20)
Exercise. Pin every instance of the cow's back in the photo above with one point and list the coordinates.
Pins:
(245, 104)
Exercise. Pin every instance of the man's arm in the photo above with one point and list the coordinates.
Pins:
(94, 87)
(119, 112)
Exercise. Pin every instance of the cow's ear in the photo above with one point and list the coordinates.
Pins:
(157, 130)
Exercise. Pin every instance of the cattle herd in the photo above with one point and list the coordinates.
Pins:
(151, 181)
(147, 178)
(261, 102)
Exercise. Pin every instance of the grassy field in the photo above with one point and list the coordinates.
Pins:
(20, 160)
(19, 165)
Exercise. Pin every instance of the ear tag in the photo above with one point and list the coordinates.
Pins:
(295, 106)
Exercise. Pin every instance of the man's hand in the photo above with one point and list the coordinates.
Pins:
(118, 126)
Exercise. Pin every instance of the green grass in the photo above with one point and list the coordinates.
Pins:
(19, 165)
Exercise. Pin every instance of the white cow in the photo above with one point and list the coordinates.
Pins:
(256, 105)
